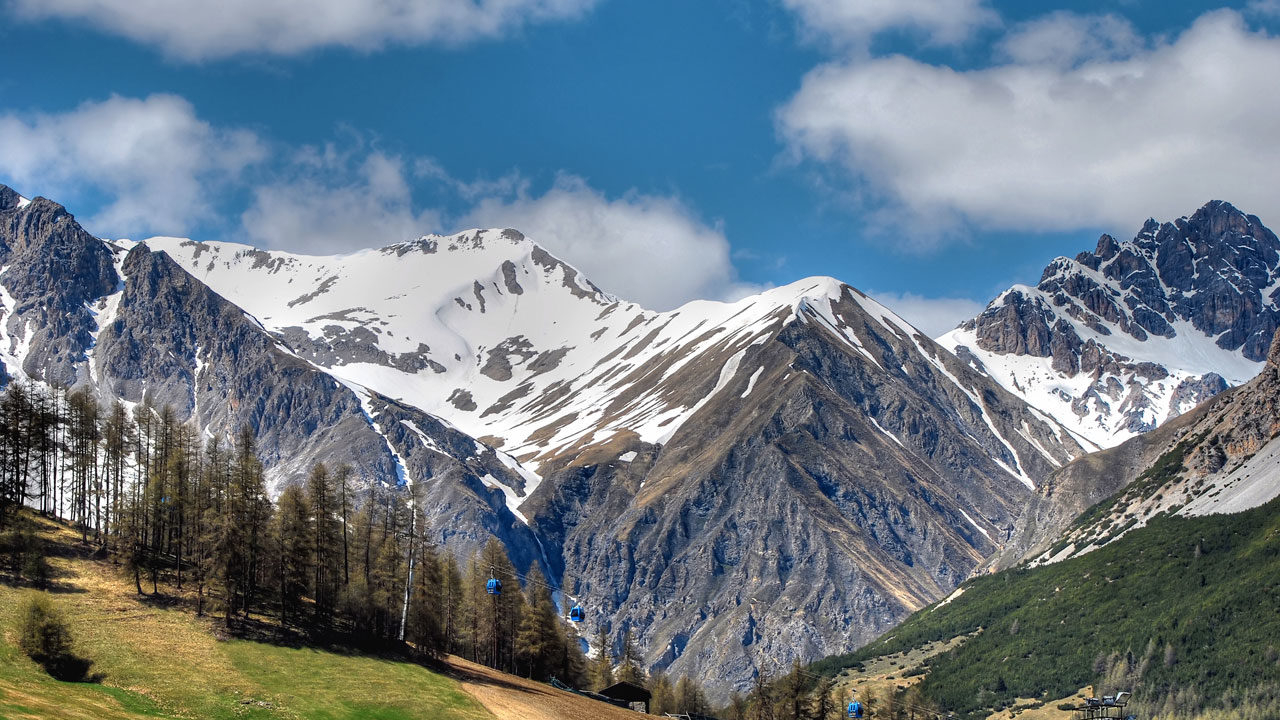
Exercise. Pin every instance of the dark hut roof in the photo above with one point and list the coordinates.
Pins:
(626, 691)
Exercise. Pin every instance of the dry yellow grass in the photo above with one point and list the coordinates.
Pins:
(160, 660)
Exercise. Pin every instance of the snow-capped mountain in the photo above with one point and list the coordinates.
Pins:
(784, 476)
(1116, 341)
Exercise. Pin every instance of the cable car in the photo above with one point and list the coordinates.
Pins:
(855, 709)
(577, 614)
(494, 586)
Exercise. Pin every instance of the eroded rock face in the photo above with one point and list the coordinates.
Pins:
(55, 272)
(805, 519)
(1157, 317)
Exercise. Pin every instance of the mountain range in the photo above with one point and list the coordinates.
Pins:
(786, 476)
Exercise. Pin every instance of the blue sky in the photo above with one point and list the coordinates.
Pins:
(932, 152)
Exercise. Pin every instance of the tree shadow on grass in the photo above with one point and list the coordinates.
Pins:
(70, 668)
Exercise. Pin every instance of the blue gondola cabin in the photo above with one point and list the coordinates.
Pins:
(577, 614)
(855, 709)
(494, 586)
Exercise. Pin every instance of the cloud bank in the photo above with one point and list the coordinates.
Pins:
(154, 164)
(1089, 129)
(193, 30)
(854, 23)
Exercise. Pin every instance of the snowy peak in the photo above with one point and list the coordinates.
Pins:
(1117, 340)
(513, 346)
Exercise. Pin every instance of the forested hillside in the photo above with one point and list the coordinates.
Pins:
(180, 512)
(1185, 613)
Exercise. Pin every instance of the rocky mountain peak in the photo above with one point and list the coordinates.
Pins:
(1138, 331)
(1273, 357)
(9, 198)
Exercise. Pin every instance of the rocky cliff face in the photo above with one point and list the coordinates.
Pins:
(807, 506)
(1116, 341)
(53, 270)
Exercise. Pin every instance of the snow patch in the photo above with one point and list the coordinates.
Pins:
(975, 525)
(752, 382)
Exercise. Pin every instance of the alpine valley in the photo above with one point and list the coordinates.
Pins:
(738, 484)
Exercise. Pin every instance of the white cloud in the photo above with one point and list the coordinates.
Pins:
(854, 22)
(197, 30)
(648, 248)
(934, 316)
(1042, 146)
(329, 201)
(152, 163)
(1264, 7)
(1065, 39)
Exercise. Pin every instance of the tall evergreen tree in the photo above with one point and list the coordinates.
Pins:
(791, 696)
(629, 661)
(292, 539)
(824, 705)
(602, 664)
(538, 642)
(326, 537)
(663, 697)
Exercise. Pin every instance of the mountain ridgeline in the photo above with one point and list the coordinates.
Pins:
(732, 485)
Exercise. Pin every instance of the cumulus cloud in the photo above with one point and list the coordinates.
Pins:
(196, 30)
(328, 200)
(648, 248)
(153, 162)
(1065, 39)
(933, 315)
(854, 22)
(1042, 144)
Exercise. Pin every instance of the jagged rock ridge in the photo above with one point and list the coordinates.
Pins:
(1118, 340)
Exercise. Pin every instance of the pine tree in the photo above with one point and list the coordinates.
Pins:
(663, 697)
(690, 697)
(325, 539)
(629, 662)
(343, 481)
(538, 642)
(573, 667)
(791, 694)
(602, 665)
(452, 600)
(823, 705)
(427, 608)
(500, 616)
(292, 536)
(385, 586)
(761, 702)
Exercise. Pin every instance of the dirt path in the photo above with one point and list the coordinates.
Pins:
(513, 698)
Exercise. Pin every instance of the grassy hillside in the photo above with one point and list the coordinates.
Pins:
(157, 660)
(1186, 612)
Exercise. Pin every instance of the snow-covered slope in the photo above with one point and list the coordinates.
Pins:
(1114, 342)
(506, 342)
